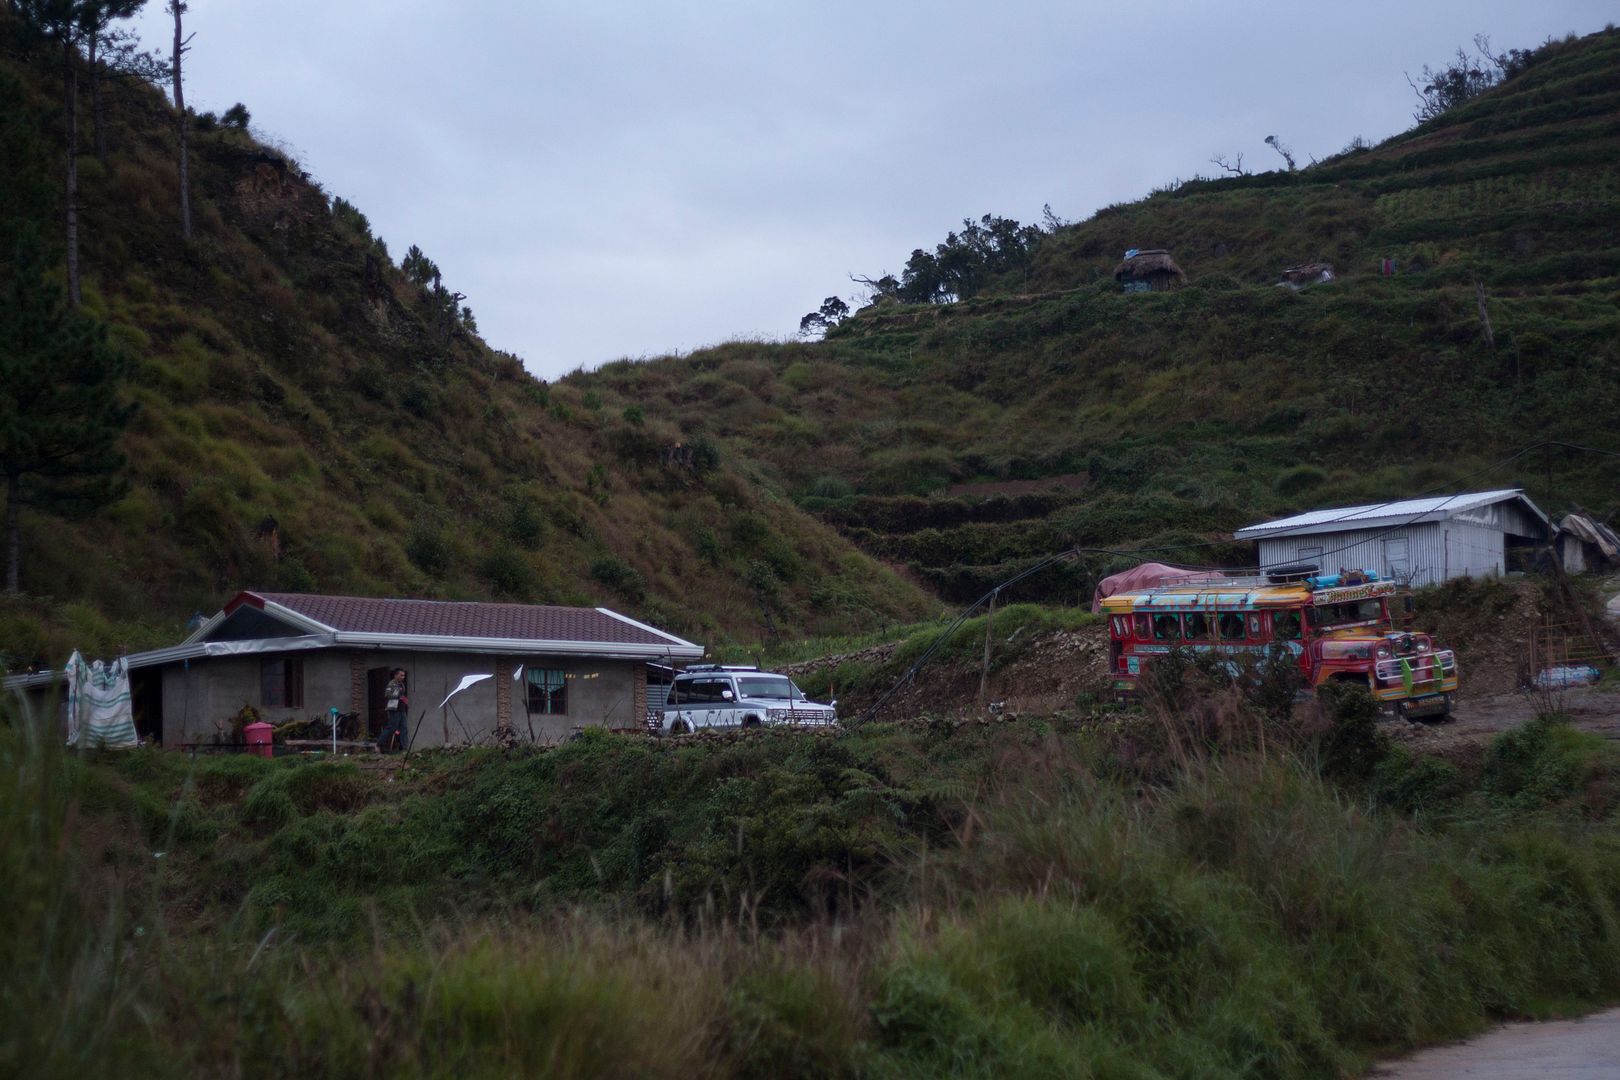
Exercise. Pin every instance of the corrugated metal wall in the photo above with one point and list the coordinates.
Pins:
(1426, 554)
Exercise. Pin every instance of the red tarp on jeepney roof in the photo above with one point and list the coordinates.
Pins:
(1145, 577)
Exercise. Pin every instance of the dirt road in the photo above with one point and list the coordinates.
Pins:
(1479, 720)
(1584, 1049)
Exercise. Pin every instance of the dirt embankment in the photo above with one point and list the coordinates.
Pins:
(1028, 674)
(1489, 624)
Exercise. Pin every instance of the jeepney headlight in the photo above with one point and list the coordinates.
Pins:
(1383, 652)
(1423, 646)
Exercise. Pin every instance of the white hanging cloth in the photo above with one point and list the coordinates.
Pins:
(99, 710)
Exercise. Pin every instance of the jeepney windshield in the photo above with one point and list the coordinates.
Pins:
(1354, 611)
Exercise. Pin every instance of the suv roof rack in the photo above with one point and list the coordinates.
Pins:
(720, 667)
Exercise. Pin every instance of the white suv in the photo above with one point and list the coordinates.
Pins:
(712, 696)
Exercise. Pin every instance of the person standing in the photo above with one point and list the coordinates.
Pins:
(395, 736)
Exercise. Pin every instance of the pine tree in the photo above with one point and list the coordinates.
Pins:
(60, 409)
(96, 18)
(182, 45)
(61, 21)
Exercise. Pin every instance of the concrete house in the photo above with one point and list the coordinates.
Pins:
(548, 671)
(1418, 541)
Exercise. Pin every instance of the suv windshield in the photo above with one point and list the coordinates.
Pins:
(768, 686)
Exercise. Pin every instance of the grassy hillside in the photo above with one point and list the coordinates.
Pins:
(309, 422)
(965, 439)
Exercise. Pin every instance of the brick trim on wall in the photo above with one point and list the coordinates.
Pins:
(503, 693)
(357, 685)
(638, 712)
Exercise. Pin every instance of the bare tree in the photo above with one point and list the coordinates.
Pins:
(1234, 166)
(182, 45)
(1287, 154)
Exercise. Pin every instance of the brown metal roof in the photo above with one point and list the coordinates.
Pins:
(453, 618)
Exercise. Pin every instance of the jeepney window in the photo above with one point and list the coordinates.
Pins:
(1144, 627)
(1285, 625)
(1167, 627)
(1231, 626)
(1197, 625)
(1122, 626)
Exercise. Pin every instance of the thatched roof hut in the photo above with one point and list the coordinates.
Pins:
(1151, 269)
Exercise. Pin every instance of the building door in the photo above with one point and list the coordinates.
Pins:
(146, 703)
(377, 700)
(1397, 562)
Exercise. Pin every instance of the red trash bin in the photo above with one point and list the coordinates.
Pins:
(258, 739)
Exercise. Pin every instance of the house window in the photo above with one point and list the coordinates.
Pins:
(281, 683)
(547, 691)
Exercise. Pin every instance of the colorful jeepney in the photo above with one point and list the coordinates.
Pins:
(1337, 627)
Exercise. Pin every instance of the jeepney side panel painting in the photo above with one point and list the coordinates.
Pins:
(1144, 626)
(1142, 634)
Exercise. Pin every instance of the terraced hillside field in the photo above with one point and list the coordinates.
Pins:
(964, 440)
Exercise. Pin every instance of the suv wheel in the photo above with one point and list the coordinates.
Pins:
(680, 727)
(750, 721)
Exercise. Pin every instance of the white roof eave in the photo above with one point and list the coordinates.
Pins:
(602, 650)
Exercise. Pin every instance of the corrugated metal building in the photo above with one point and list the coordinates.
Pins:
(1418, 541)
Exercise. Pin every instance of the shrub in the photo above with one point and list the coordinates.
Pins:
(1352, 746)
(524, 523)
(620, 576)
(428, 549)
(1416, 783)
(508, 572)
(1300, 479)
(1547, 763)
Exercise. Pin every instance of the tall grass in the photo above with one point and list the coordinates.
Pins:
(1096, 904)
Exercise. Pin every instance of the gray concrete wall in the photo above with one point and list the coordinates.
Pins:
(200, 700)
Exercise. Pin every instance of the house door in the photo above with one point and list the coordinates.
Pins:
(377, 700)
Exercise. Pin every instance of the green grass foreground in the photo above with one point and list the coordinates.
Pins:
(1108, 898)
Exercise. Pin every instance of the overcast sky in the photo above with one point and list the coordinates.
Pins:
(632, 179)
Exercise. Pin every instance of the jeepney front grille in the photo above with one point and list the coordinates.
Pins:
(1442, 661)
